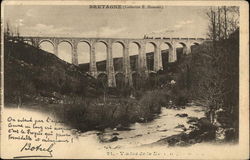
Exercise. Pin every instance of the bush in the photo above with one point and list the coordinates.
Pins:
(155, 99)
(181, 97)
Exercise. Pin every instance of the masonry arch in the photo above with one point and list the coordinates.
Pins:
(120, 80)
(118, 55)
(102, 41)
(66, 41)
(101, 52)
(194, 45)
(102, 80)
(181, 50)
(134, 50)
(46, 40)
(166, 51)
(85, 41)
(120, 42)
(46, 45)
(65, 51)
(150, 51)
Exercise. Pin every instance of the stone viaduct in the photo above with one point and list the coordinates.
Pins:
(141, 43)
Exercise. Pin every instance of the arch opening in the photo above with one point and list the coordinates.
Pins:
(134, 55)
(181, 50)
(150, 51)
(117, 53)
(83, 52)
(166, 51)
(47, 46)
(65, 51)
(101, 55)
(194, 45)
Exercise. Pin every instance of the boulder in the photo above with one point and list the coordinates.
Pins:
(138, 135)
(205, 125)
(115, 138)
(120, 127)
(192, 120)
(181, 115)
(164, 130)
(123, 128)
(182, 127)
(192, 141)
(181, 143)
(107, 138)
(207, 136)
(230, 134)
(178, 139)
(203, 131)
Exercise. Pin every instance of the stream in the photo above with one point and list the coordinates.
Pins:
(164, 125)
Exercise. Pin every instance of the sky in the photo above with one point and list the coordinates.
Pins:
(81, 21)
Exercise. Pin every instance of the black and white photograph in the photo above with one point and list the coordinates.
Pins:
(124, 80)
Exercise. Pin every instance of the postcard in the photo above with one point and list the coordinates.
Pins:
(124, 79)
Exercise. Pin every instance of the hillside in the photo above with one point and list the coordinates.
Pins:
(31, 73)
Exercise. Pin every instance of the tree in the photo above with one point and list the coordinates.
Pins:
(215, 68)
(223, 21)
(12, 33)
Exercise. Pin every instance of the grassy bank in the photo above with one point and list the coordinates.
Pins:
(91, 114)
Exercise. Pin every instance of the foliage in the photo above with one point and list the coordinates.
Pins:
(214, 70)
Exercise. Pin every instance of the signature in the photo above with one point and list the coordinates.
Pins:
(37, 148)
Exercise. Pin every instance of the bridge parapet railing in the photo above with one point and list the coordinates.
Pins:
(192, 38)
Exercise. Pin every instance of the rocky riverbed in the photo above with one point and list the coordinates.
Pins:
(171, 127)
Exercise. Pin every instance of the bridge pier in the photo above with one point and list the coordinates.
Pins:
(92, 64)
(188, 49)
(126, 65)
(74, 54)
(55, 44)
(110, 66)
(142, 61)
(157, 58)
(56, 49)
(172, 57)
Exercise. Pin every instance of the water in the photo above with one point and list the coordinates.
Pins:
(145, 133)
